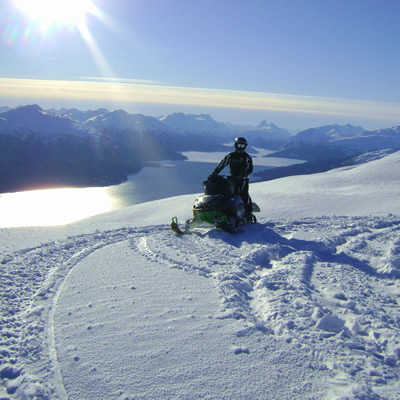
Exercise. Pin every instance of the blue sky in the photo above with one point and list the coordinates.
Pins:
(297, 63)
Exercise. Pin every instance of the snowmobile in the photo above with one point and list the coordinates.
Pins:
(218, 206)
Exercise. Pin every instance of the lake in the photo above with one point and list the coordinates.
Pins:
(171, 178)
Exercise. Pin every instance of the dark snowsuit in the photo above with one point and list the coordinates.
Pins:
(240, 167)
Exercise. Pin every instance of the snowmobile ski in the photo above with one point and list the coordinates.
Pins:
(255, 207)
(176, 229)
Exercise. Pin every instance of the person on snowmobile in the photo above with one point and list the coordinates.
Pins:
(240, 167)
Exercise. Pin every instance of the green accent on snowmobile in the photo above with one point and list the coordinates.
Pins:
(211, 217)
(215, 218)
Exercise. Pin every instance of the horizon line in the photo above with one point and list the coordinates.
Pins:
(153, 92)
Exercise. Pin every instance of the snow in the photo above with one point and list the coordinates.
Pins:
(302, 305)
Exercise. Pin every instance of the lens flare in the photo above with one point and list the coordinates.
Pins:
(33, 23)
(48, 14)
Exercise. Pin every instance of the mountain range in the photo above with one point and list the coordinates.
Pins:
(44, 149)
(332, 146)
(101, 147)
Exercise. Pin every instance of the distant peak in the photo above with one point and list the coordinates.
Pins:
(265, 125)
(30, 107)
(119, 112)
(182, 115)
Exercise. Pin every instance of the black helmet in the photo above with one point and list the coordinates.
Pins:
(240, 144)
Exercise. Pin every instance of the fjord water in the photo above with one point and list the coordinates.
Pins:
(65, 205)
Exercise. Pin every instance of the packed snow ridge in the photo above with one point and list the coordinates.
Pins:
(302, 305)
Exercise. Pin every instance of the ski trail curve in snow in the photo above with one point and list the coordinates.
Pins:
(129, 325)
(31, 279)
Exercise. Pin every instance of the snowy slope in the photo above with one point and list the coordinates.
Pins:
(356, 190)
(303, 305)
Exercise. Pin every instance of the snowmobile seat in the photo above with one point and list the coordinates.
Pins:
(218, 184)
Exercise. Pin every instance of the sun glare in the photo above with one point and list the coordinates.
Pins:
(52, 206)
(50, 13)
(48, 16)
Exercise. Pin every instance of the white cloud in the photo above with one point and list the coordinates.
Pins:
(121, 80)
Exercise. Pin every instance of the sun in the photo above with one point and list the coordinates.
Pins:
(55, 13)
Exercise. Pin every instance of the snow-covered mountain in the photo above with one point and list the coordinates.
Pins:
(326, 133)
(372, 140)
(353, 138)
(267, 136)
(334, 142)
(79, 115)
(42, 148)
(33, 119)
(120, 120)
(302, 305)
(137, 136)
(197, 124)
(206, 125)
